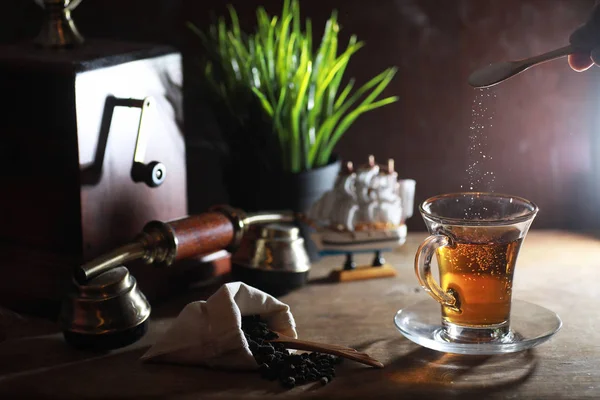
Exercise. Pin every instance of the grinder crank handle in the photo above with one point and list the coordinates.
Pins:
(163, 243)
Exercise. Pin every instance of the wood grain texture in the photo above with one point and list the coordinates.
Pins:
(201, 234)
(556, 270)
(362, 273)
(114, 208)
(55, 216)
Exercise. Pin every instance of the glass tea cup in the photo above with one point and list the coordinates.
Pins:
(476, 238)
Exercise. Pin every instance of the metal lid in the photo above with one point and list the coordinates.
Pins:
(108, 284)
(280, 231)
(108, 303)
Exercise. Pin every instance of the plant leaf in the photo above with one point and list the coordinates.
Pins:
(241, 55)
(263, 20)
(296, 90)
(302, 79)
(270, 49)
(327, 126)
(262, 66)
(349, 119)
(277, 118)
(339, 65)
(296, 17)
(235, 22)
(335, 83)
(344, 94)
(263, 101)
(281, 50)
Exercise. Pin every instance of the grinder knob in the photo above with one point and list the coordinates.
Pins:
(152, 174)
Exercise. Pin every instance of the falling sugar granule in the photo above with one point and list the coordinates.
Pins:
(480, 177)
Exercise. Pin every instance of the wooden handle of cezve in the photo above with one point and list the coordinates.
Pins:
(196, 235)
(201, 234)
(192, 236)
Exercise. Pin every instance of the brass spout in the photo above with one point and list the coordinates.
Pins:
(264, 218)
(121, 255)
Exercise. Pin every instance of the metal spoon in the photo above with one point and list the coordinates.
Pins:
(498, 72)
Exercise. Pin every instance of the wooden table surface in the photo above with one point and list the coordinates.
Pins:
(557, 270)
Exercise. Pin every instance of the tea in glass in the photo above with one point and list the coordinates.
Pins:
(476, 238)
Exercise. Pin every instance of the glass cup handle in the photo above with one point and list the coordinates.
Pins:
(423, 271)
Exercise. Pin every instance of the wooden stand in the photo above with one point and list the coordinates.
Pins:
(363, 272)
(350, 272)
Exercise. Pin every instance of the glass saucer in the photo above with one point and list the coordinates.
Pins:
(530, 325)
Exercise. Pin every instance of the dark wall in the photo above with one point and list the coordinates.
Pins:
(541, 142)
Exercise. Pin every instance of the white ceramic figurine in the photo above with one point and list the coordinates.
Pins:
(366, 210)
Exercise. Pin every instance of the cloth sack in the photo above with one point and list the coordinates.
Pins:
(209, 333)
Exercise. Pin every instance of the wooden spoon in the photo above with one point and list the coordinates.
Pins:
(340, 351)
(498, 72)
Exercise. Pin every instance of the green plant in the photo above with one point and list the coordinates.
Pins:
(298, 89)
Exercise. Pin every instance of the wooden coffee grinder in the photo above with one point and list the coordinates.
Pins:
(90, 151)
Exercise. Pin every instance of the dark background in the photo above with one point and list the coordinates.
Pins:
(542, 144)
